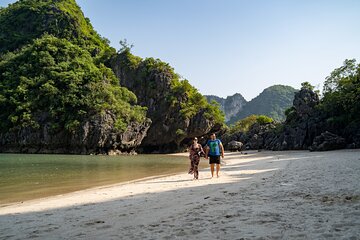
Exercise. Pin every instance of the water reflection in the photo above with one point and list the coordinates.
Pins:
(29, 176)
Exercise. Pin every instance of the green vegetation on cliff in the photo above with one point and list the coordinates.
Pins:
(57, 73)
(158, 80)
(54, 79)
(244, 124)
(339, 107)
(177, 110)
(51, 69)
(194, 103)
(341, 96)
(319, 124)
(26, 20)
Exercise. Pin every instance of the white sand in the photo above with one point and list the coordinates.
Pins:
(265, 195)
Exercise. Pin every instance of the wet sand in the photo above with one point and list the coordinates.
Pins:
(259, 195)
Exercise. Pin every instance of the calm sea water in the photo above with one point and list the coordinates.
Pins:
(30, 176)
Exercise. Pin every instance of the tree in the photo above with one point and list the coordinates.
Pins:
(307, 85)
(339, 75)
(125, 46)
(341, 101)
(57, 81)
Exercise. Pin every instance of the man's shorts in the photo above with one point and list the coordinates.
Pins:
(214, 159)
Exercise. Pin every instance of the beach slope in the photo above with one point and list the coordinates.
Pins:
(259, 195)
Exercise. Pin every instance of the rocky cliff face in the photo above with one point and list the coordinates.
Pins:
(302, 124)
(304, 128)
(56, 95)
(297, 132)
(152, 81)
(230, 105)
(96, 135)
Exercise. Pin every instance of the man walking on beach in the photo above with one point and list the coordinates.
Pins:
(214, 149)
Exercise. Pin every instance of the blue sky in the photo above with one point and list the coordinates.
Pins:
(225, 47)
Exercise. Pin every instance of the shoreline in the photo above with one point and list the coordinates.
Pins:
(36, 201)
(95, 188)
(15, 193)
(41, 199)
(277, 195)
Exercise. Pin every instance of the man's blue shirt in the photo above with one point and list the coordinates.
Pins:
(214, 147)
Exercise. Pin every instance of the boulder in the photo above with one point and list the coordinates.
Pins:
(234, 146)
(327, 141)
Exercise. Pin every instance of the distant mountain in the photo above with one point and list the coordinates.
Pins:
(230, 105)
(272, 102)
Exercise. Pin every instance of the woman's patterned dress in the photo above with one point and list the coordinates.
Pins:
(195, 159)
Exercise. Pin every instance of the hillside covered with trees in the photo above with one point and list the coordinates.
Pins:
(64, 89)
(317, 123)
(272, 102)
(59, 93)
(177, 110)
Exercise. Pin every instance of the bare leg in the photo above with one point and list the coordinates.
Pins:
(217, 169)
(212, 169)
(196, 172)
(191, 169)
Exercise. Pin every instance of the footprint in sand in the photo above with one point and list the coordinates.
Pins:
(233, 194)
(94, 222)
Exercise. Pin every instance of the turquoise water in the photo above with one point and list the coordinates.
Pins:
(30, 176)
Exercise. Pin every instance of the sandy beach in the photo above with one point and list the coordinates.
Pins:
(259, 195)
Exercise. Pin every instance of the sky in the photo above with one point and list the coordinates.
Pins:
(223, 47)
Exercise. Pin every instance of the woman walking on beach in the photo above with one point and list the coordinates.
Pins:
(196, 151)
